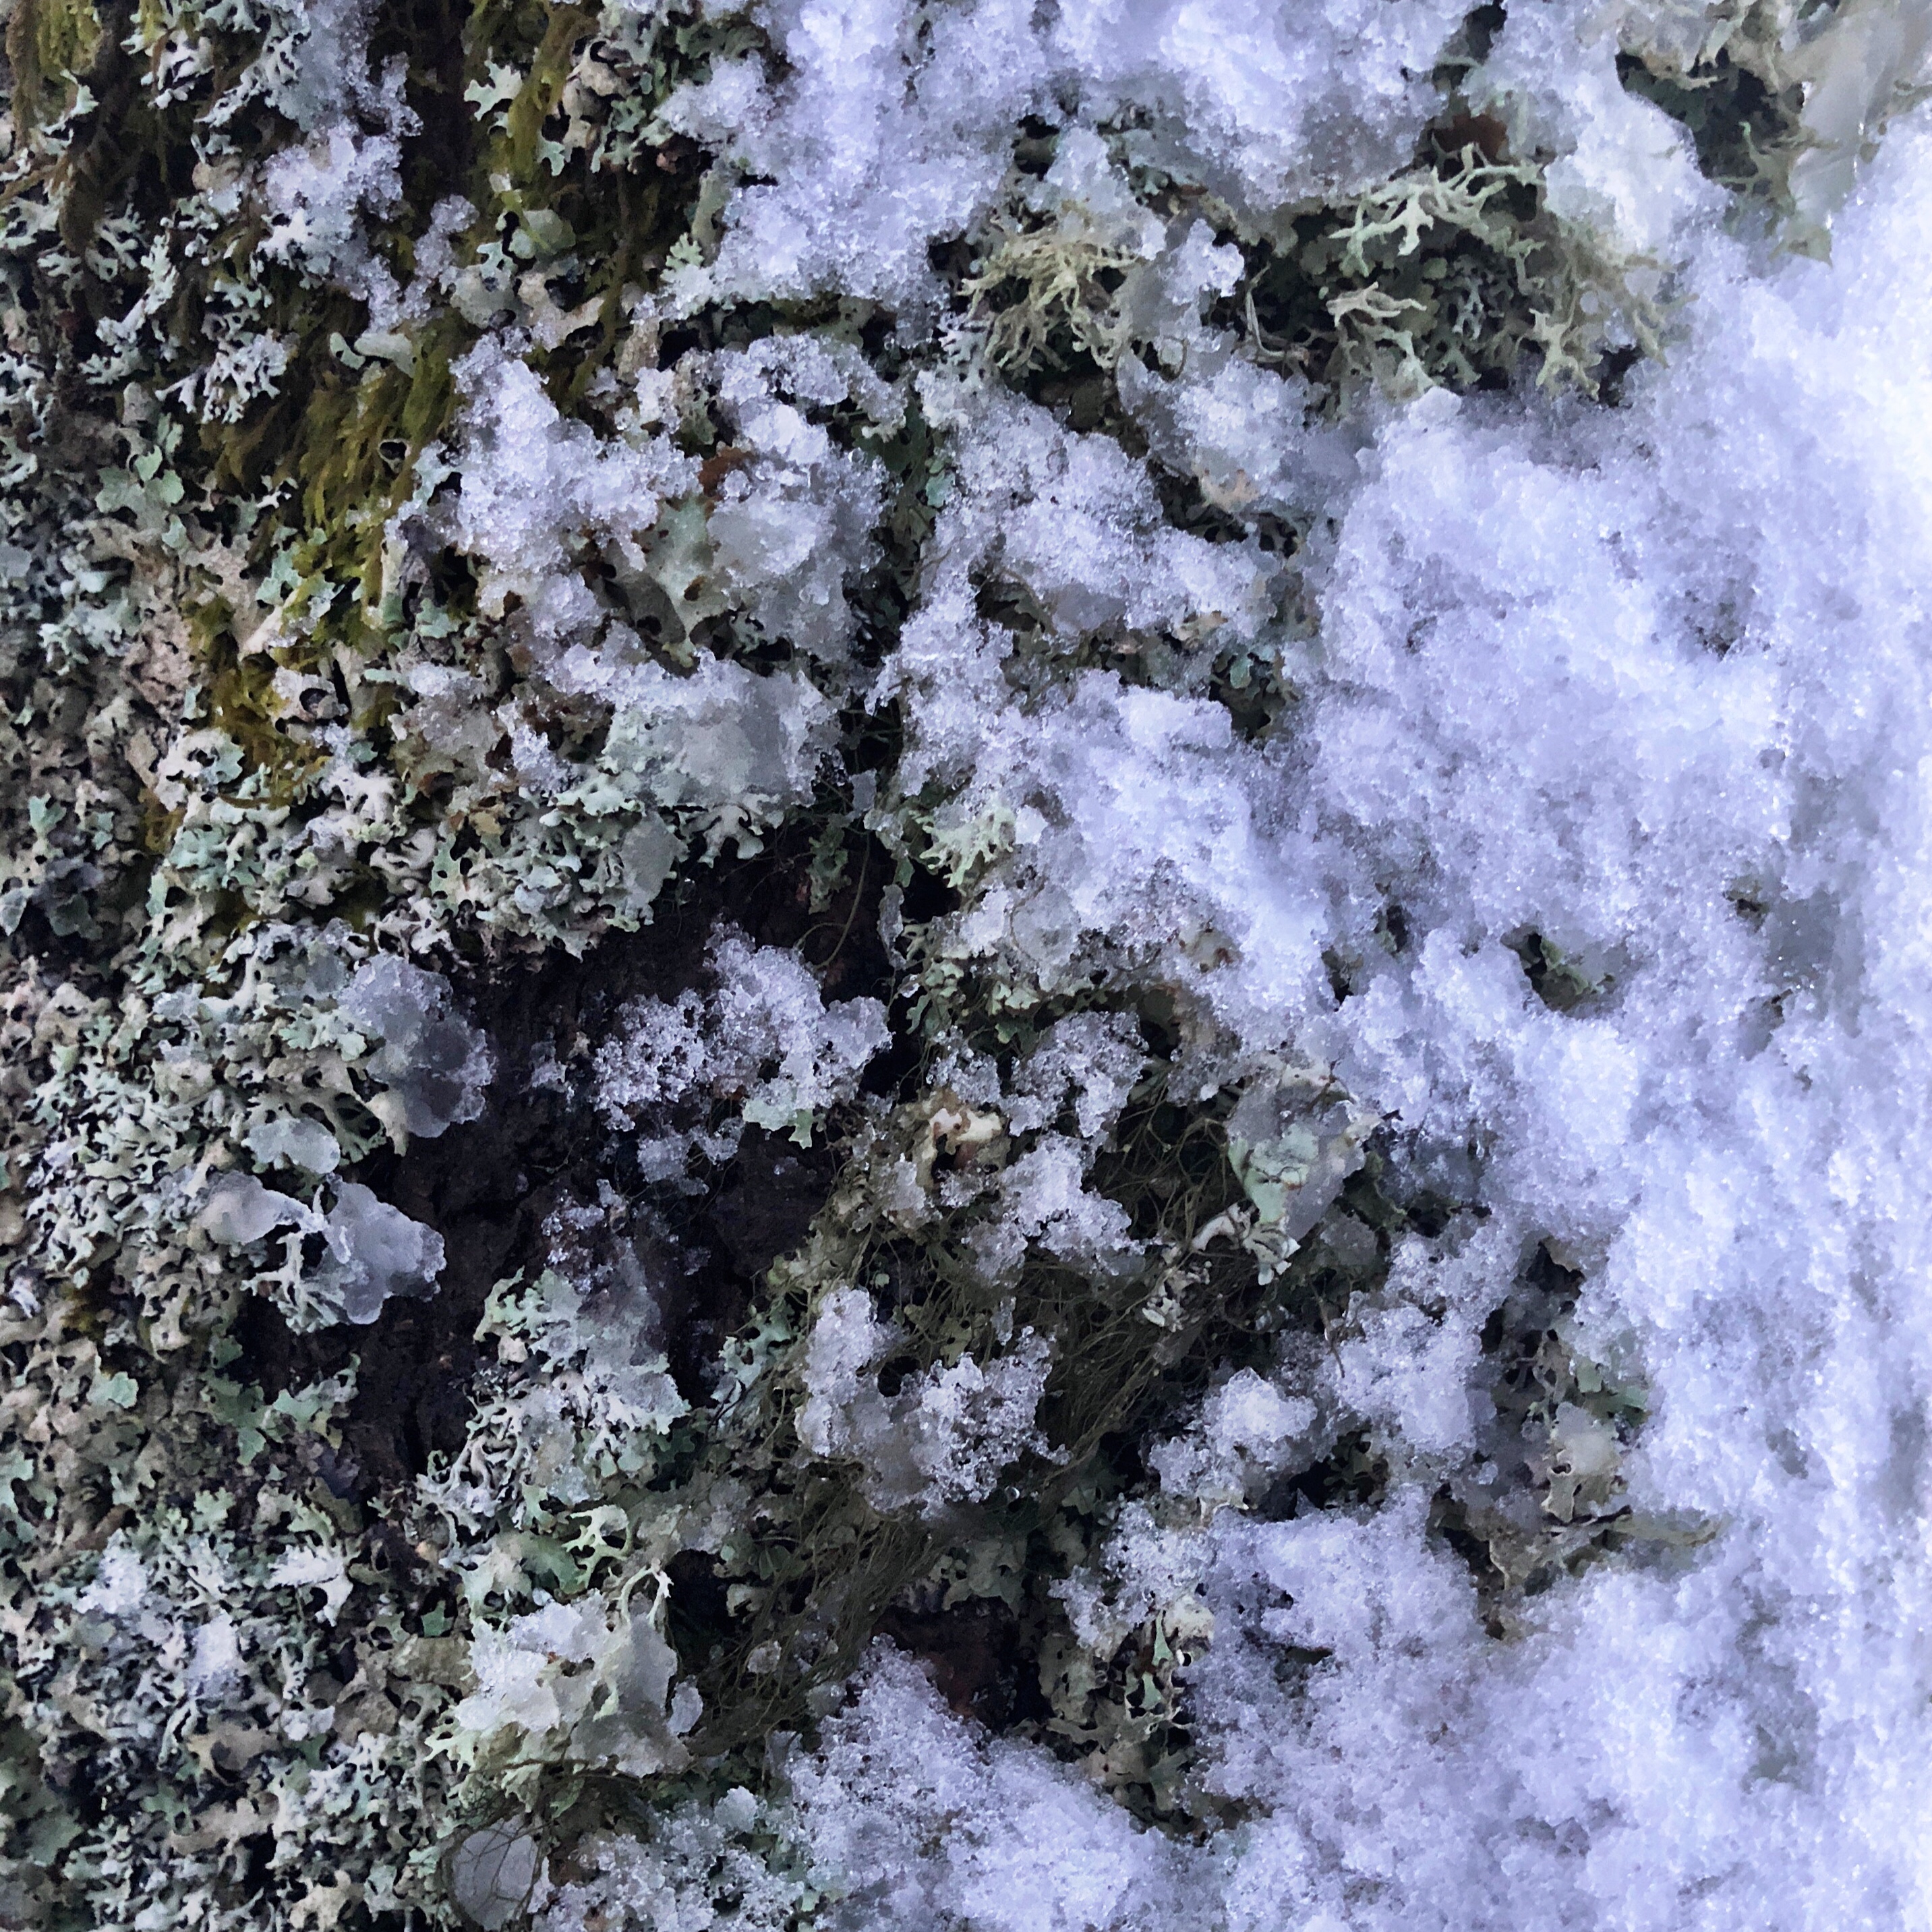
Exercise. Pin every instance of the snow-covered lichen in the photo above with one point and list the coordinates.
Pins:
(961, 965)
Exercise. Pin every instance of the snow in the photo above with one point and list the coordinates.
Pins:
(1266, 112)
(944, 1438)
(1026, 1848)
(214, 1663)
(536, 487)
(347, 177)
(373, 1251)
(764, 1042)
(435, 1065)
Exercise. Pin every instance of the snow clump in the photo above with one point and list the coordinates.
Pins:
(943, 1437)
(764, 1042)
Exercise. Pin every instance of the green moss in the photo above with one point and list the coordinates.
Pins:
(597, 221)
(500, 31)
(242, 703)
(353, 459)
(51, 46)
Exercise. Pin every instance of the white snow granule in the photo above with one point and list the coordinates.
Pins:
(763, 1042)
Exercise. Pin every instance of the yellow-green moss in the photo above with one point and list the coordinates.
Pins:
(51, 45)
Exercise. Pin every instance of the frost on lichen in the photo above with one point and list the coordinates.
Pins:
(784, 1095)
